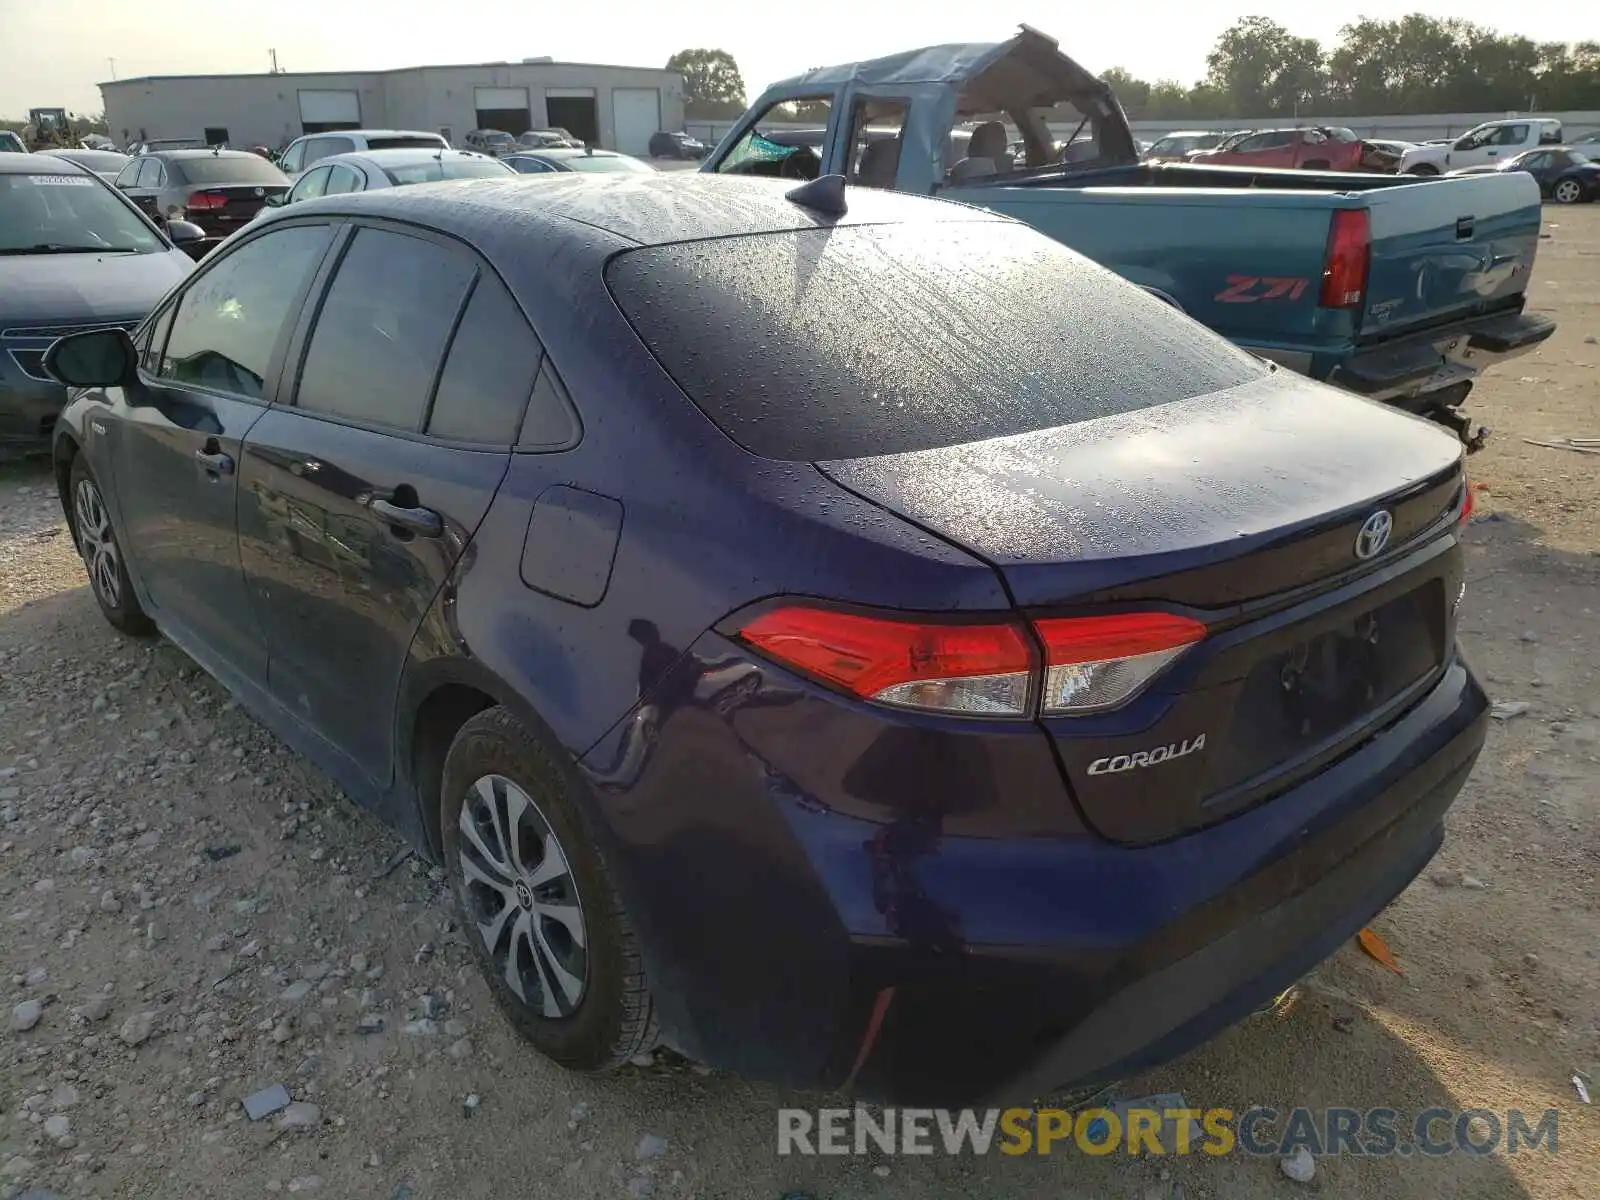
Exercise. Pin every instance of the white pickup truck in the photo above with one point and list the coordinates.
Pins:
(1483, 146)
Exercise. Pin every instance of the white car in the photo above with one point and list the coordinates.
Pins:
(370, 170)
(314, 147)
(1482, 146)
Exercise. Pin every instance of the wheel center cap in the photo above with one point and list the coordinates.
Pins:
(524, 895)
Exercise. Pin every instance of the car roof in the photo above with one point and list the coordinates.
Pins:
(37, 164)
(181, 155)
(401, 156)
(573, 152)
(370, 133)
(642, 209)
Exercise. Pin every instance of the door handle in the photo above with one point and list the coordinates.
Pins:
(214, 461)
(408, 520)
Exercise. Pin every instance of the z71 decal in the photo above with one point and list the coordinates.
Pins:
(1247, 289)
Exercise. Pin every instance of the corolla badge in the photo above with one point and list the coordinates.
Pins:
(1374, 534)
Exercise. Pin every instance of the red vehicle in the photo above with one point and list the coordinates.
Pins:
(1322, 148)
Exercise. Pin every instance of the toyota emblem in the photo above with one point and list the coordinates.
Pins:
(1374, 534)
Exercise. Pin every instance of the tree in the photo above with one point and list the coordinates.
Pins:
(1260, 67)
(712, 85)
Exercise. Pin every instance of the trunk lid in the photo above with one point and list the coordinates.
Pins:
(1243, 509)
(1449, 248)
(238, 201)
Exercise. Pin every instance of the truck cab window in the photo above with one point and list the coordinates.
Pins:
(786, 142)
(876, 135)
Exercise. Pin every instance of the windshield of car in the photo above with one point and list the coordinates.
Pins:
(10, 143)
(605, 162)
(243, 168)
(62, 214)
(496, 138)
(432, 170)
(845, 341)
(1182, 145)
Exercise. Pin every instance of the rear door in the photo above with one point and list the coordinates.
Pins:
(358, 497)
(205, 378)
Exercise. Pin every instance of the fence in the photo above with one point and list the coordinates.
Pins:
(1407, 128)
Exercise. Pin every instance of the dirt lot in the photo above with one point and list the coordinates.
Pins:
(189, 914)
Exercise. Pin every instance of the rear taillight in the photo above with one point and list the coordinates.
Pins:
(1090, 664)
(1096, 663)
(1344, 267)
(983, 670)
(206, 201)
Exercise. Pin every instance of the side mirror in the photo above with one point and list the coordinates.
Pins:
(98, 358)
(184, 233)
(278, 200)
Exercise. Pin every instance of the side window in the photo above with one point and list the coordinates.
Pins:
(309, 186)
(155, 341)
(156, 177)
(335, 145)
(342, 179)
(128, 174)
(293, 158)
(231, 317)
(1512, 135)
(530, 166)
(1534, 162)
(761, 153)
(319, 148)
(552, 423)
(1314, 137)
(489, 371)
(147, 173)
(1549, 135)
(382, 329)
(876, 127)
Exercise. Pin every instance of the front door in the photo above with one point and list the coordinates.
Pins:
(358, 499)
(204, 381)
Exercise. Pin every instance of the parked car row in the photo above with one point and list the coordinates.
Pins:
(1565, 174)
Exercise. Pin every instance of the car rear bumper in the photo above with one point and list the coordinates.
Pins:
(800, 933)
(1437, 360)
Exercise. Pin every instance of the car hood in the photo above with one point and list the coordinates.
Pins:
(79, 288)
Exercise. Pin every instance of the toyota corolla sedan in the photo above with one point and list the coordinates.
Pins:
(847, 637)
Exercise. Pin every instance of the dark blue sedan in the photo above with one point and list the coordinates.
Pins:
(1566, 174)
(873, 647)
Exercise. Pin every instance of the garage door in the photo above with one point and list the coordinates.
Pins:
(331, 110)
(500, 97)
(635, 114)
(505, 109)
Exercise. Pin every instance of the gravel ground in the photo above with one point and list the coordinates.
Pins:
(189, 915)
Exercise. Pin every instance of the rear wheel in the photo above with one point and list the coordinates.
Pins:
(544, 921)
(1567, 191)
(102, 554)
(1423, 169)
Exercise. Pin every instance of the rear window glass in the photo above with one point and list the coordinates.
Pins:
(433, 170)
(246, 168)
(410, 142)
(886, 339)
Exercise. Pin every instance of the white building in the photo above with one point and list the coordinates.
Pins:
(613, 107)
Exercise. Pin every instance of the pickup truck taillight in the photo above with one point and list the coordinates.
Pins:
(1344, 268)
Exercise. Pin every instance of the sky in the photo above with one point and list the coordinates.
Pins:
(53, 54)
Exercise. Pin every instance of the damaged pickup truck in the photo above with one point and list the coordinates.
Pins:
(1397, 289)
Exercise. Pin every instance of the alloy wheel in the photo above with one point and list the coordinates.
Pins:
(1568, 191)
(97, 543)
(522, 896)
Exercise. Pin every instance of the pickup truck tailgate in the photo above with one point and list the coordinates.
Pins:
(1454, 247)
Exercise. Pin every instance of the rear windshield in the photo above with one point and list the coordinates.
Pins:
(605, 163)
(433, 170)
(411, 142)
(246, 168)
(885, 339)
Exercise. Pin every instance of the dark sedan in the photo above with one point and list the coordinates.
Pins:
(1566, 174)
(666, 144)
(845, 636)
(218, 190)
(74, 255)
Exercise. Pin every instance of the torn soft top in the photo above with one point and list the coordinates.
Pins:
(1028, 69)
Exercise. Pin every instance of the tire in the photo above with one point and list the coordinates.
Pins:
(552, 938)
(102, 555)
(1567, 191)
(1423, 169)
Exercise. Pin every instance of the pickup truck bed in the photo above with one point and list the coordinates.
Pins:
(1244, 252)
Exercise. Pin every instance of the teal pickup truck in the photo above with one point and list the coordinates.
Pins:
(1399, 289)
